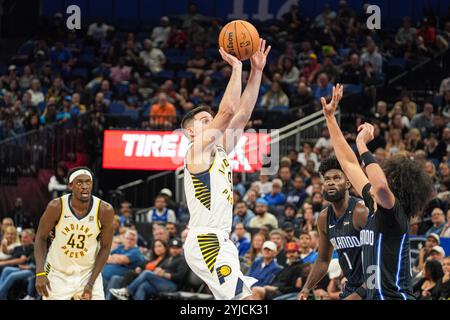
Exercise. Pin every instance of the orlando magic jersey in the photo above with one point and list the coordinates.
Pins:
(345, 239)
(209, 194)
(386, 252)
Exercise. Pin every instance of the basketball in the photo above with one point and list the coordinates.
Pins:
(239, 38)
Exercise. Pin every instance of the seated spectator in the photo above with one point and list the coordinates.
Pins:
(435, 149)
(153, 58)
(163, 113)
(171, 228)
(274, 97)
(10, 241)
(323, 142)
(21, 266)
(443, 285)
(278, 237)
(160, 232)
(98, 30)
(438, 220)
(307, 254)
(437, 253)
(307, 154)
(289, 215)
(264, 185)
(21, 254)
(290, 72)
(160, 34)
(276, 197)
(167, 277)
(256, 248)
(160, 252)
(198, 63)
(57, 186)
(395, 142)
(242, 214)
(266, 268)
(298, 195)
(445, 233)
(242, 242)
(262, 216)
(414, 141)
(426, 288)
(372, 55)
(352, 72)
(126, 214)
(289, 230)
(121, 260)
(406, 34)
(286, 178)
(431, 241)
(159, 212)
(286, 281)
(423, 120)
(21, 216)
(311, 70)
(324, 87)
(302, 100)
(409, 107)
(378, 140)
(36, 92)
(120, 72)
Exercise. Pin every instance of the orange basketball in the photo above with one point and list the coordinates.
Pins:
(239, 38)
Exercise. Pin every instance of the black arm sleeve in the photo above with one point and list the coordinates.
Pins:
(368, 200)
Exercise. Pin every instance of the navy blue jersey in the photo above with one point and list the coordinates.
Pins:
(345, 239)
(386, 252)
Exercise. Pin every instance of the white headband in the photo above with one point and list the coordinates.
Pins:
(79, 173)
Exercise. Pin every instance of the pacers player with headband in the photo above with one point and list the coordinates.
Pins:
(208, 181)
(83, 232)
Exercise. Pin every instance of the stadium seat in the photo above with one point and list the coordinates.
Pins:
(283, 109)
(166, 75)
(80, 73)
(116, 108)
(27, 48)
(121, 88)
(86, 60)
(185, 74)
(41, 106)
(353, 88)
(192, 290)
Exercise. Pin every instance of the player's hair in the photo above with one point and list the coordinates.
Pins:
(79, 168)
(191, 114)
(409, 183)
(330, 163)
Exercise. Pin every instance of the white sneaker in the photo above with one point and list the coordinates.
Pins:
(121, 294)
(29, 298)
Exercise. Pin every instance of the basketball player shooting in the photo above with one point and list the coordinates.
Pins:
(209, 252)
(83, 232)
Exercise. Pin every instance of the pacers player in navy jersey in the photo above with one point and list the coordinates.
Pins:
(82, 227)
(339, 226)
(208, 182)
(393, 193)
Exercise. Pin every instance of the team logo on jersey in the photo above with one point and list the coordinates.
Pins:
(222, 272)
(76, 235)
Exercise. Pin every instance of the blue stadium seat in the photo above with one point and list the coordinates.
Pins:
(132, 113)
(146, 109)
(80, 73)
(185, 74)
(211, 53)
(27, 48)
(122, 89)
(353, 88)
(397, 62)
(179, 61)
(172, 52)
(283, 109)
(41, 106)
(166, 75)
(116, 107)
(86, 59)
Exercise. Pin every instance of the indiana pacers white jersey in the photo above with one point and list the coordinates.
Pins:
(75, 244)
(208, 250)
(209, 194)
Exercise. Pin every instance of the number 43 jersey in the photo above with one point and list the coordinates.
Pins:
(75, 244)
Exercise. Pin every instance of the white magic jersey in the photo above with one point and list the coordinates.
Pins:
(209, 194)
(75, 245)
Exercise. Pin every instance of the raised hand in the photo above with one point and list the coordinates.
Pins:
(330, 108)
(229, 58)
(365, 133)
(258, 59)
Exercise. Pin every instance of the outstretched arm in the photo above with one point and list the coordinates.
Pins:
(320, 267)
(344, 153)
(249, 97)
(383, 195)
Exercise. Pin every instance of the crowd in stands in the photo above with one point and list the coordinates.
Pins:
(154, 78)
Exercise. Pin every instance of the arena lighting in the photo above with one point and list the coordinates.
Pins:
(163, 150)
